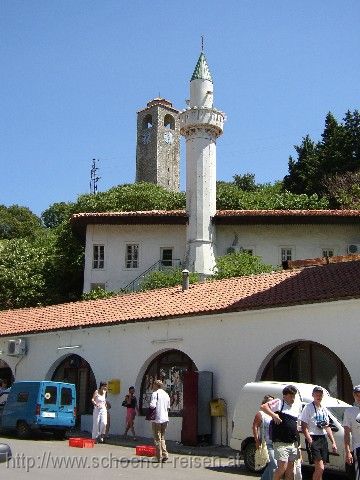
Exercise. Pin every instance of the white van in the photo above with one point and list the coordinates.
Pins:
(249, 402)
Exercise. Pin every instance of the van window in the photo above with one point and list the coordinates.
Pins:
(66, 396)
(22, 397)
(338, 413)
(50, 395)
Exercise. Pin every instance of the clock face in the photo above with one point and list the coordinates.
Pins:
(145, 137)
(168, 137)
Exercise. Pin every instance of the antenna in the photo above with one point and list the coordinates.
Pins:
(93, 177)
(202, 43)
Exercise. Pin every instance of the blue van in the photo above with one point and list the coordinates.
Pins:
(39, 405)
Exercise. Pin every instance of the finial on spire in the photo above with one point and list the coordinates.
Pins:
(202, 43)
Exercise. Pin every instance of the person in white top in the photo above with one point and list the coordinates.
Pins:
(260, 429)
(285, 413)
(99, 413)
(161, 400)
(315, 426)
(351, 424)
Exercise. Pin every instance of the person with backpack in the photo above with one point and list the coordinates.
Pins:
(284, 431)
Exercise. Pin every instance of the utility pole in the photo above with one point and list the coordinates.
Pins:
(93, 177)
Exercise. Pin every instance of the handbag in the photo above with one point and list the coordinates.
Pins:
(261, 456)
(261, 453)
(124, 403)
(151, 412)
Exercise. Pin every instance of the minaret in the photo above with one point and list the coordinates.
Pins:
(201, 124)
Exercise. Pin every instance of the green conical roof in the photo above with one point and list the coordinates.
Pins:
(201, 70)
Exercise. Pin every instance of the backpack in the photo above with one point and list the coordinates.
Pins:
(286, 431)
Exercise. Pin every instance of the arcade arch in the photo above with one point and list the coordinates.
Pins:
(169, 367)
(310, 362)
(75, 369)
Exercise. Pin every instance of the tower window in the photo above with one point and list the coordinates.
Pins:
(147, 122)
(169, 122)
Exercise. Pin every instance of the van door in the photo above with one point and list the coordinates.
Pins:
(49, 403)
(66, 415)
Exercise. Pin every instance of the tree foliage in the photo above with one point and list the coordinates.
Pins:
(18, 222)
(165, 278)
(238, 264)
(336, 154)
(26, 269)
(265, 197)
(98, 293)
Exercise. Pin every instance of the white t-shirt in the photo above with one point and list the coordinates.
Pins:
(350, 415)
(265, 424)
(161, 400)
(292, 410)
(313, 414)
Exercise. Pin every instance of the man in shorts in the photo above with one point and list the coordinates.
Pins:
(285, 413)
(351, 425)
(315, 426)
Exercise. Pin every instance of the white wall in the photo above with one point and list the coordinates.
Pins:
(306, 240)
(235, 347)
(151, 238)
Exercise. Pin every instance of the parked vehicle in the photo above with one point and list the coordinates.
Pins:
(248, 404)
(39, 405)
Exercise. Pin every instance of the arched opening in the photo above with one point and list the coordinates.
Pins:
(310, 362)
(169, 122)
(6, 374)
(75, 369)
(147, 122)
(169, 367)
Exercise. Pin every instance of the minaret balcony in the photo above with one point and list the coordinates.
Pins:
(195, 119)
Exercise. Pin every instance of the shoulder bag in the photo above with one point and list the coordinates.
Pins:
(151, 413)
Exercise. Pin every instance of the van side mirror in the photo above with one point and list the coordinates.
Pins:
(334, 428)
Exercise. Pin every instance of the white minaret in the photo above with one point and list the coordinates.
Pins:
(201, 124)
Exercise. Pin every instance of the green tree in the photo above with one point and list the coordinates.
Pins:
(98, 293)
(56, 214)
(18, 222)
(245, 182)
(165, 278)
(25, 268)
(238, 264)
(337, 153)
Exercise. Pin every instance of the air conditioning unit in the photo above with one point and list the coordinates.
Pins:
(16, 347)
(354, 248)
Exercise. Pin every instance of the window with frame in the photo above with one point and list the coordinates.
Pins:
(327, 252)
(132, 255)
(166, 257)
(286, 254)
(98, 256)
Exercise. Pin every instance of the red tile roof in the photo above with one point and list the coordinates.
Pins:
(331, 282)
(79, 221)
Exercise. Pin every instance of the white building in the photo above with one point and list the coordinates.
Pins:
(299, 324)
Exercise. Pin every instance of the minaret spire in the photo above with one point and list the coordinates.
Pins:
(201, 124)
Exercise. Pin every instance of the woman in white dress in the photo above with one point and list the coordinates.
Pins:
(99, 413)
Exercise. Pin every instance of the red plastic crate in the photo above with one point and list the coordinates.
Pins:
(146, 450)
(81, 442)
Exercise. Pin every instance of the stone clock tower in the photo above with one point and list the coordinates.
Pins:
(158, 144)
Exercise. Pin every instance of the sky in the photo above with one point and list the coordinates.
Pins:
(75, 72)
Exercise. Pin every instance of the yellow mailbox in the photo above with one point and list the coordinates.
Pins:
(114, 386)
(218, 407)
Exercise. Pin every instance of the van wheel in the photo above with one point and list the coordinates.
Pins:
(249, 458)
(23, 430)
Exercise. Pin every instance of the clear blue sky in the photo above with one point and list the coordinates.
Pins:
(74, 73)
